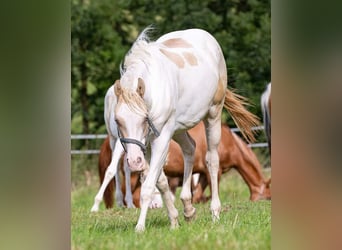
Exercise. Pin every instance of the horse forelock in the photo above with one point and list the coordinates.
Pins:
(134, 101)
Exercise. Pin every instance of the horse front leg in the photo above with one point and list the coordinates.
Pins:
(110, 172)
(159, 149)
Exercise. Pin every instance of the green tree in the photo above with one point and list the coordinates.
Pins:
(97, 51)
(103, 31)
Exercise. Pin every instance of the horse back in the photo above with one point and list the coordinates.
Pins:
(198, 61)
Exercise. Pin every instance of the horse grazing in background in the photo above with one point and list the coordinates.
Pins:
(167, 87)
(266, 112)
(233, 153)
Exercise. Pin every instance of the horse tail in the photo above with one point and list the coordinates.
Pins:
(244, 119)
(103, 163)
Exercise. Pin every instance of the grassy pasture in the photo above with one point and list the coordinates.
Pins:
(243, 224)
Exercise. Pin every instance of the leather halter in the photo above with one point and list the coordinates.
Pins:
(136, 142)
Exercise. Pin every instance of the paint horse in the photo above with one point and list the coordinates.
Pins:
(266, 112)
(167, 87)
(233, 153)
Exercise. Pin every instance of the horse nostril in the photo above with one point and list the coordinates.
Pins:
(139, 160)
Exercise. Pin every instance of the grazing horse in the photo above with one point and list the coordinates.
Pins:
(167, 87)
(233, 153)
(266, 112)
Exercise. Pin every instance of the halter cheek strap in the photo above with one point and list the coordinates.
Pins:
(154, 130)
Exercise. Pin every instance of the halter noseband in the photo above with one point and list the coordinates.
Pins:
(136, 142)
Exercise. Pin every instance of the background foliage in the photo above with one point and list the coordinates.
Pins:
(103, 31)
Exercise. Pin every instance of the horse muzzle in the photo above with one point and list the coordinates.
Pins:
(136, 164)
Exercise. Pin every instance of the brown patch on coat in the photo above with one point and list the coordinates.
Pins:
(175, 58)
(177, 43)
(220, 92)
(190, 58)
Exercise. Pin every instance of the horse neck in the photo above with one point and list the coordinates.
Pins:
(160, 99)
(249, 168)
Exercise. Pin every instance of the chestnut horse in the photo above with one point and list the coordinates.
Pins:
(266, 112)
(233, 153)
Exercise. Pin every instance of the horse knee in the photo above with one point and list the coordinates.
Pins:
(146, 194)
(212, 160)
(109, 174)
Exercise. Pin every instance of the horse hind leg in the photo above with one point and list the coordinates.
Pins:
(188, 146)
(213, 135)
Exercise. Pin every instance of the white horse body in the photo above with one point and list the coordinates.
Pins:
(169, 85)
(208, 56)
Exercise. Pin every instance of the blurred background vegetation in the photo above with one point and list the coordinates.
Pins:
(104, 30)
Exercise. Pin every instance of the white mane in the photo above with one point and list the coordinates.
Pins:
(145, 61)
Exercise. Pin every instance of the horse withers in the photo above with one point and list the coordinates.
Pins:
(167, 87)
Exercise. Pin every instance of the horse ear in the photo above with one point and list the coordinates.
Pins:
(141, 87)
(117, 88)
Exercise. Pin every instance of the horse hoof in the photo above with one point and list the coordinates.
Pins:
(94, 209)
(120, 204)
(190, 216)
(131, 206)
(139, 228)
(174, 224)
(216, 216)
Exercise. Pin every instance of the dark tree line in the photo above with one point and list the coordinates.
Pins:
(103, 31)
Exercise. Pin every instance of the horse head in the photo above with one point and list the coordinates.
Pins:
(267, 190)
(264, 192)
(132, 123)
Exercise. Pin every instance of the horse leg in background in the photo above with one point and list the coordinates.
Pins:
(110, 172)
(213, 135)
(174, 183)
(195, 179)
(118, 191)
(156, 201)
(198, 194)
(163, 187)
(188, 146)
(128, 195)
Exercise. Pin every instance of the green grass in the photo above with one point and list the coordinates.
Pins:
(243, 224)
